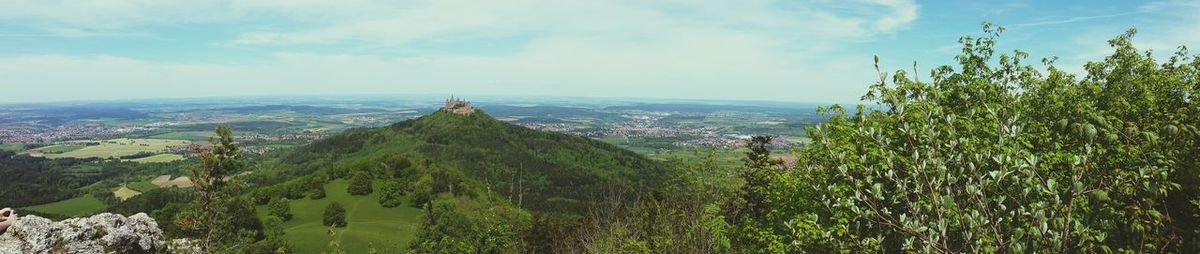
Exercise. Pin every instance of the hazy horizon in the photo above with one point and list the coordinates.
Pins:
(430, 98)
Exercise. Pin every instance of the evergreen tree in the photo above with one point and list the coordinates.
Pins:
(211, 217)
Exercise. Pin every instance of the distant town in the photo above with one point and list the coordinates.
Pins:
(264, 128)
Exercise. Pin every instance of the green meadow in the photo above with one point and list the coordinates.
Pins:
(185, 135)
(166, 157)
(142, 186)
(388, 230)
(80, 206)
(12, 147)
(61, 148)
(125, 192)
(120, 147)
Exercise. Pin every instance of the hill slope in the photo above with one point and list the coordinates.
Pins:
(471, 173)
(478, 154)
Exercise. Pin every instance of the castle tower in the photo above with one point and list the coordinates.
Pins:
(458, 106)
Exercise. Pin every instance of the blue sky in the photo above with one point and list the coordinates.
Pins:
(803, 51)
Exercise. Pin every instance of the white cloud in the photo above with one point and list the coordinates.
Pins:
(400, 24)
(1162, 27)
(1174, 23)
(690, 49)
(902, 13)
(731, 67)
(1077, 19)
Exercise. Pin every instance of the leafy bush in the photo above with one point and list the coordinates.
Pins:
(421, 193)
(471, 226)
(317, 193)
(279, 207)
(994, 156)
(335, 215)
(360, 184)
(391, 194)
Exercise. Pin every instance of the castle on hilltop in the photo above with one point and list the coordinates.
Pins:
(458, 106)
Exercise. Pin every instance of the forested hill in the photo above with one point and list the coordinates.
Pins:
(475, 154)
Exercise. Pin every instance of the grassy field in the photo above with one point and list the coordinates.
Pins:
(61, 148)
(166, 157)
(388, 230)
(725, 157)
(120, 147)
(185, 135)
(14, 147)
(125, 193)
(142, 186)
(616, 140)
(80, 206)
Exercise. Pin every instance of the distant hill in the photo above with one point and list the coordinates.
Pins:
(467, 167)
(709, 108)
(64, 114)
(304, 109)
(539, 170)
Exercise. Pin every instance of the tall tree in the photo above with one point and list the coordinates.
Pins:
(279, 207)
(210, 215)
(360, 183)
(335, 215)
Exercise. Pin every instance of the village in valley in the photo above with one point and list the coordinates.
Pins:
(144, 132)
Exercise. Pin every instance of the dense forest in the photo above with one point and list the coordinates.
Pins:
(35, 180)
(990, 155)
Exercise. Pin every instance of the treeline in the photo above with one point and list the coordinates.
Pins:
(31, 181)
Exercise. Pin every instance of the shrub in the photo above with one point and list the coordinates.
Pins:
(317, 193)
(279, 207)
(335, 215)
(994, 156)
(360, 184)
(391, 194)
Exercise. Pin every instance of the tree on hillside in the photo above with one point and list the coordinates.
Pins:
(400, 166)
(748, 210)
(273, 227)
(994, 156)
(759, 168)
(360, 183)
(465, 225)
(335, 215)
(273, 241)
(211, 216)
(421, 192)
(391, 194)
(317, 193)
(279, 207)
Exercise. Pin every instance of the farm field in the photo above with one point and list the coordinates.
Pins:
(387, 229)
(165, 181)
(13, 147)
(142, 186)
(166, 157)
(120, 147)
(125, 193)
(56, 149)
(185, 135)
(79, 206)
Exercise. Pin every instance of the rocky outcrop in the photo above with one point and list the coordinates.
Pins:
(102, 233)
